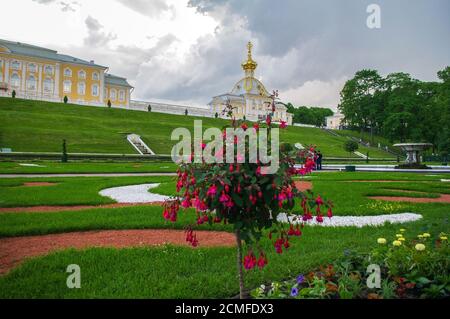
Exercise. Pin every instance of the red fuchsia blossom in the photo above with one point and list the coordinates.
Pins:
(256, 126)
(319, 218)
(330, 213)
(249, 261)
(262, 261)
(212, 191)
(283, 125)
(268, 120)
(244, 126)
(319, 201)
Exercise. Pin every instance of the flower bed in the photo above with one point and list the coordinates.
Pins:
(408, 267)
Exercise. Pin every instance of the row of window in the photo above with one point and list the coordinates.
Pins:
(81, 74)
(48, 69)
(31, 85)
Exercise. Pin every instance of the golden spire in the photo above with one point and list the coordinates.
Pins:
(249, 65)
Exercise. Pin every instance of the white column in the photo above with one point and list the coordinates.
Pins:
(39, 88)
(102, 87)
(24, 76)
(57, 71)
(7, 72)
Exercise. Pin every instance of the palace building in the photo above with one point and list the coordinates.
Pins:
(42, 74)
(249, 98)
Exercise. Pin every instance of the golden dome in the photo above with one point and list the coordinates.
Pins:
(249, 65)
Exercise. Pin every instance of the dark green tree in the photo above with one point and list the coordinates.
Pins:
(350, 146)
(13, 94)
(64, 157)
(66, 99)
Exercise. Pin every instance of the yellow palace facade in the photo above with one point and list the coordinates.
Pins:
(42, 74)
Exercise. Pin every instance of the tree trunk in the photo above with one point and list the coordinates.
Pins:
(239, 264)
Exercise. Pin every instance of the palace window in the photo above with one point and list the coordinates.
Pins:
(68, 72)
(121, 95)
(67, 86)
(32, 67)
(31, 83)
(94, 90)
(48, 70)
(95, 76)
(81, 88)
(15, 65)
(112, 94)
(15, 80)
(81, 74)
(48, 85)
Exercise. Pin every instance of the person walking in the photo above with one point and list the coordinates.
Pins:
(319, 161)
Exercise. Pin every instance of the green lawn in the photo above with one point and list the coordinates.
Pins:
(34, 126)
(179, 272)
(46, 167)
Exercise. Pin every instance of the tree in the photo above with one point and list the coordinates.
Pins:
(359, 100)
(64, 157)
(149, 108)
(186, 112)
(216, 115)
(243, 195)
(13, 94)
(109, 103)
(351, 146)
(66, 99)
(309, 115)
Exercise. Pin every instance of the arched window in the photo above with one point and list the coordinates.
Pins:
(81, 88)
(121, 95)
(48, 70)
(95, 76)
(112, 94)
(15, 65)
(95, 90)
(67, 86)
(48, 85)
(31, 83)
(32, 67)
(81, 74)
(67, 72)
(15, 80)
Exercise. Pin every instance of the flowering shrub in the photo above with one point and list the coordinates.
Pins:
(242, 194)
(416, 268)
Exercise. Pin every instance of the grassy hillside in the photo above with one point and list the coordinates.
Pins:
(34, 126)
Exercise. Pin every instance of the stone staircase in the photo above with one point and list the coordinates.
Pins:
(139, 145)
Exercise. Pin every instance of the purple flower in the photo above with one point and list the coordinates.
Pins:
(294, 292)
(300, 279)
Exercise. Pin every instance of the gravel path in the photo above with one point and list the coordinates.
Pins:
(133, 194)
(358, 221)
(14, 251)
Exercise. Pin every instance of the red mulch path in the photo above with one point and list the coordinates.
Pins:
(303, 185)
(445, 198)
(53, 209)
(38, 184)
(14, 250)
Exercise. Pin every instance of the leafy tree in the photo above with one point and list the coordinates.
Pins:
(109, 103)
(309, 115)
(216, 115)
(186, 112)
(149, 108)
(13, 94)
(66, 99)
(351, 146)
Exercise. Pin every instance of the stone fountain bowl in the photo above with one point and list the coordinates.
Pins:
(412, 151)
(410, 147)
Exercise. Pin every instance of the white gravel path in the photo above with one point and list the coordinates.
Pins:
(358, 221)
(133, 194)
(141, 194)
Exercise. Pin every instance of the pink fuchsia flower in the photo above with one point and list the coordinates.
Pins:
(256, 126)
(212, 191)
(249, 261)
(319, 219)
(186, 202)
(268, 120)
(330, 213)
(262, 261)
(244, 126)
(283, 125)
(319, 200)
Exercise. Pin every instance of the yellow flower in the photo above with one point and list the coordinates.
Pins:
(402, 239)
(420, 236)
(399, 235)
(397, 243)
(420, 247)
(381, 241)
(402, 230)
(444, 238)
(426, 235)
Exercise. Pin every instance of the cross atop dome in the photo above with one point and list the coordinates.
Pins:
(249, 66)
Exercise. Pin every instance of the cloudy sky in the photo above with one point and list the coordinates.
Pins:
(187, 51)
